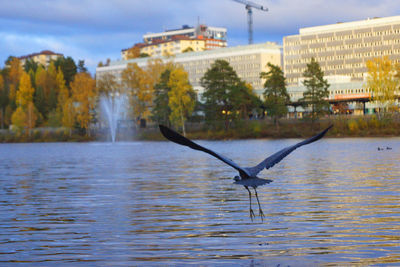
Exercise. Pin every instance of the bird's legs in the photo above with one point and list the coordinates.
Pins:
(251, 210)
(259, 206)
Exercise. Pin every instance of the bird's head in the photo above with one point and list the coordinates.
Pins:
(236, 178)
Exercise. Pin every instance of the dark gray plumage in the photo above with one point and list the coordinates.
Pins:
(248, 175)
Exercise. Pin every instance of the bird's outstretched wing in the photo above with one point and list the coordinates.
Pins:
(278, 156)
(179, 139)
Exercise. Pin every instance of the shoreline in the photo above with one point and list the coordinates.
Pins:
(343, 127)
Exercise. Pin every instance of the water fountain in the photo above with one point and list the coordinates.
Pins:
(113, 109)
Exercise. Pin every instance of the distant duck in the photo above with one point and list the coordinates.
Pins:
(384, 148)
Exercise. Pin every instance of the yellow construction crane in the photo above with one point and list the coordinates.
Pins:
(249, 6)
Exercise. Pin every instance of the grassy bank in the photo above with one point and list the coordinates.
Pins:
(363, 126)
(43, 135)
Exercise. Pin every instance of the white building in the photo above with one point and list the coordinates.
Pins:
(206, 32)
(44, 57)
(342, 48)
(342, 51)
(248, 61)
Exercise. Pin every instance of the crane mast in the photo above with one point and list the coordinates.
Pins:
(249, 5)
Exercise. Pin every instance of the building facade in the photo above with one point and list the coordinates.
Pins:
(202, 31)
(176, 45)
(342, 91)
(44, 57)
(172, 42)
(342, 49)
(248, 61)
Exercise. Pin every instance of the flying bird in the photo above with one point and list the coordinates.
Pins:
(247, 175)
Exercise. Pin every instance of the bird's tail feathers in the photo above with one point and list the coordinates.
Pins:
(253, 182)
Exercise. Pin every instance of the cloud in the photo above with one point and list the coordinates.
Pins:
(287, 16)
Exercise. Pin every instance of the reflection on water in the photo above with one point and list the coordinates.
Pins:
(335, 202)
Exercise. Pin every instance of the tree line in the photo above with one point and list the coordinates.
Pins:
(162, 93)
(33, 95)
(64, 94)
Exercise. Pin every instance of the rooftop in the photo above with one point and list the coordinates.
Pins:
(184, 29)
(157, 42)
(370, 22)
(44, 52)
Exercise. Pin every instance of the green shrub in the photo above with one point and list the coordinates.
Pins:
(353, 126)
(255, 128)
(373, 122)
(362, 124)
(36, 134)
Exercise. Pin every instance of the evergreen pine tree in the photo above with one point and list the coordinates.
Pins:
(316, 95)
(275, 93)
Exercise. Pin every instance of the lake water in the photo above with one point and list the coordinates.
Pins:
(334, 202)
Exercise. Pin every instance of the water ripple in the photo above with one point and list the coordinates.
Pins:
(336, 202)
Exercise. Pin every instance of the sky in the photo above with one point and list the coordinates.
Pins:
(94, 30)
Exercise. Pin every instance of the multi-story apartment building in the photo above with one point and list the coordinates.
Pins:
(248, 61)
(172, 42)
(176, 45)
(44, 57)
(343, 48)
(217, 34)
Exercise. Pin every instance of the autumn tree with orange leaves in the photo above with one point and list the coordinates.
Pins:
(140, 88)
(140, 82)
(382, 82)
(133, 52)
(83, 89)
(3, 100)
(63, 92)
(14, 76)
(68, 115)
(182, 98)
(25, 115)
(60, 92)
(46, 89)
